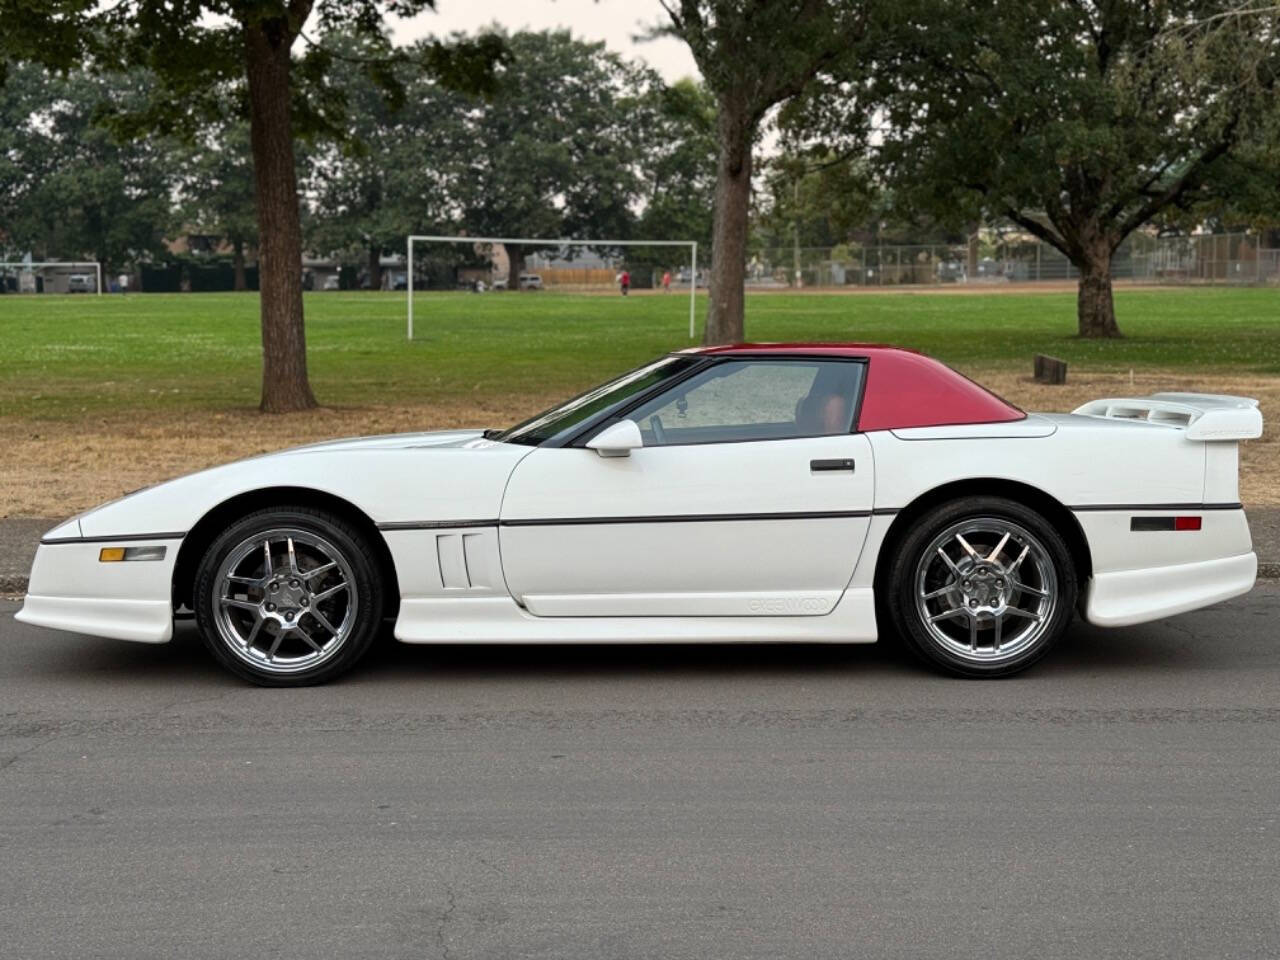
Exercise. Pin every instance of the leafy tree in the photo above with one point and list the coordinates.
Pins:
(558, 150)
(217, 189)
(353, 208)
(389, 177)
(69, 190)
(754, 55)
(679, 168)
(1245, 197)
(204, 53)
(572, 141)
(1079, 121)
(815, 201)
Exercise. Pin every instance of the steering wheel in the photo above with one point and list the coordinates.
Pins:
(659, 433)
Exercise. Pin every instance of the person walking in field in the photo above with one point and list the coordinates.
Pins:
(625, 281)
(666, 281)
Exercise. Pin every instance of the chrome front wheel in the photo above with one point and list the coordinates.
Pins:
(285, 602)
(289, 596)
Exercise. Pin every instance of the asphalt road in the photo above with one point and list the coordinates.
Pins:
(1122, 800)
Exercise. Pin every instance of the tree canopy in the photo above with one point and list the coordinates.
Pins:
(1080, 121)
(65, 183)
(573, 141)
(560, 150)
(201, 56)
(754, 56)
(215, 184)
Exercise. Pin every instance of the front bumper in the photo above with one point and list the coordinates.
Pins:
(148, 621)
(1126, 597)
(71, 590)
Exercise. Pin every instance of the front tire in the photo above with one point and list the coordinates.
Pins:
(981, 587)
(288, 597)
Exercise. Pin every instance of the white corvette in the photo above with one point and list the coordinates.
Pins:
(766, 492)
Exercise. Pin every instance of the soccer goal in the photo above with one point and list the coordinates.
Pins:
(555, 264)
(50, 276)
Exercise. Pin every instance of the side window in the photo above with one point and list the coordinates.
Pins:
(754, 400)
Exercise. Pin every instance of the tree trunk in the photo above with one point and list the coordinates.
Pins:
(725, 320)
(1095, 308)
(284, 344)
(375, 268)
(515, 265)
(237, 261)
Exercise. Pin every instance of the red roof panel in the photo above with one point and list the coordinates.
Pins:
(904, 388)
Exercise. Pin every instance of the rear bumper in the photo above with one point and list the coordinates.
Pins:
(1126, 597)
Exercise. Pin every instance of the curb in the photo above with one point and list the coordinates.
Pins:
(17, 586)
(13, 585)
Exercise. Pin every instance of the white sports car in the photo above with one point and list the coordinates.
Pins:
(762, 492)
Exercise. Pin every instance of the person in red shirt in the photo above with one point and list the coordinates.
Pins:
(666, 282)
(625, 281)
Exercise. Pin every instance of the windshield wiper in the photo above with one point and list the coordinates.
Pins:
(492, 432)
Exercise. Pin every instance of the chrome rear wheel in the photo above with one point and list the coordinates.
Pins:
(979, 586)
(986, 589)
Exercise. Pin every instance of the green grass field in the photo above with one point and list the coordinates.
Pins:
(64, 356)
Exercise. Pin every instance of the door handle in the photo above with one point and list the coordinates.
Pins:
(819, 466)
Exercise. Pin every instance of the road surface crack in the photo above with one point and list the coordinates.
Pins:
(7, 762)
(184, 702)
(444, 921)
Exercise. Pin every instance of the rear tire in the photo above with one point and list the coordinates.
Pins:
(289, 597)
(981, 587)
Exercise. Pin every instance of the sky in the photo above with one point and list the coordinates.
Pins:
(613, 21)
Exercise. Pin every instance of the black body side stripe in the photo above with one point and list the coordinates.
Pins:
(793, 515)
(435, 524)
(1191, 507)
(123, 538)
(688, 518)
(659, 518)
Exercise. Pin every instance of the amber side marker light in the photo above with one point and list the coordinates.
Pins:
(118, 554)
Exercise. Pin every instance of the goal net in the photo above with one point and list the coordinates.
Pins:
(52, 276)
(509, 266)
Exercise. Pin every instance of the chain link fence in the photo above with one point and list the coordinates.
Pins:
(1229, 258)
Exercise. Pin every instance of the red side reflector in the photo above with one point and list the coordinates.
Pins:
(1186, 523)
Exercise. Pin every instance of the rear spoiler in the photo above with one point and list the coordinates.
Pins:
(1204, 416)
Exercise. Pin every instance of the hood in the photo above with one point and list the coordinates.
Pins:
(400, 478)
(391, 441)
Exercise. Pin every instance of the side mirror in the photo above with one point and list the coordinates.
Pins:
(617, 440)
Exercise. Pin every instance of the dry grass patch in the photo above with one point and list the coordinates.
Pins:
(55, 469)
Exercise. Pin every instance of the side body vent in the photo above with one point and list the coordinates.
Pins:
(463, 562)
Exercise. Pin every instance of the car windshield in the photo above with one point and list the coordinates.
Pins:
(599, 400)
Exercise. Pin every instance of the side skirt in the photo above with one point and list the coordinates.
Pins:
(501, 620)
